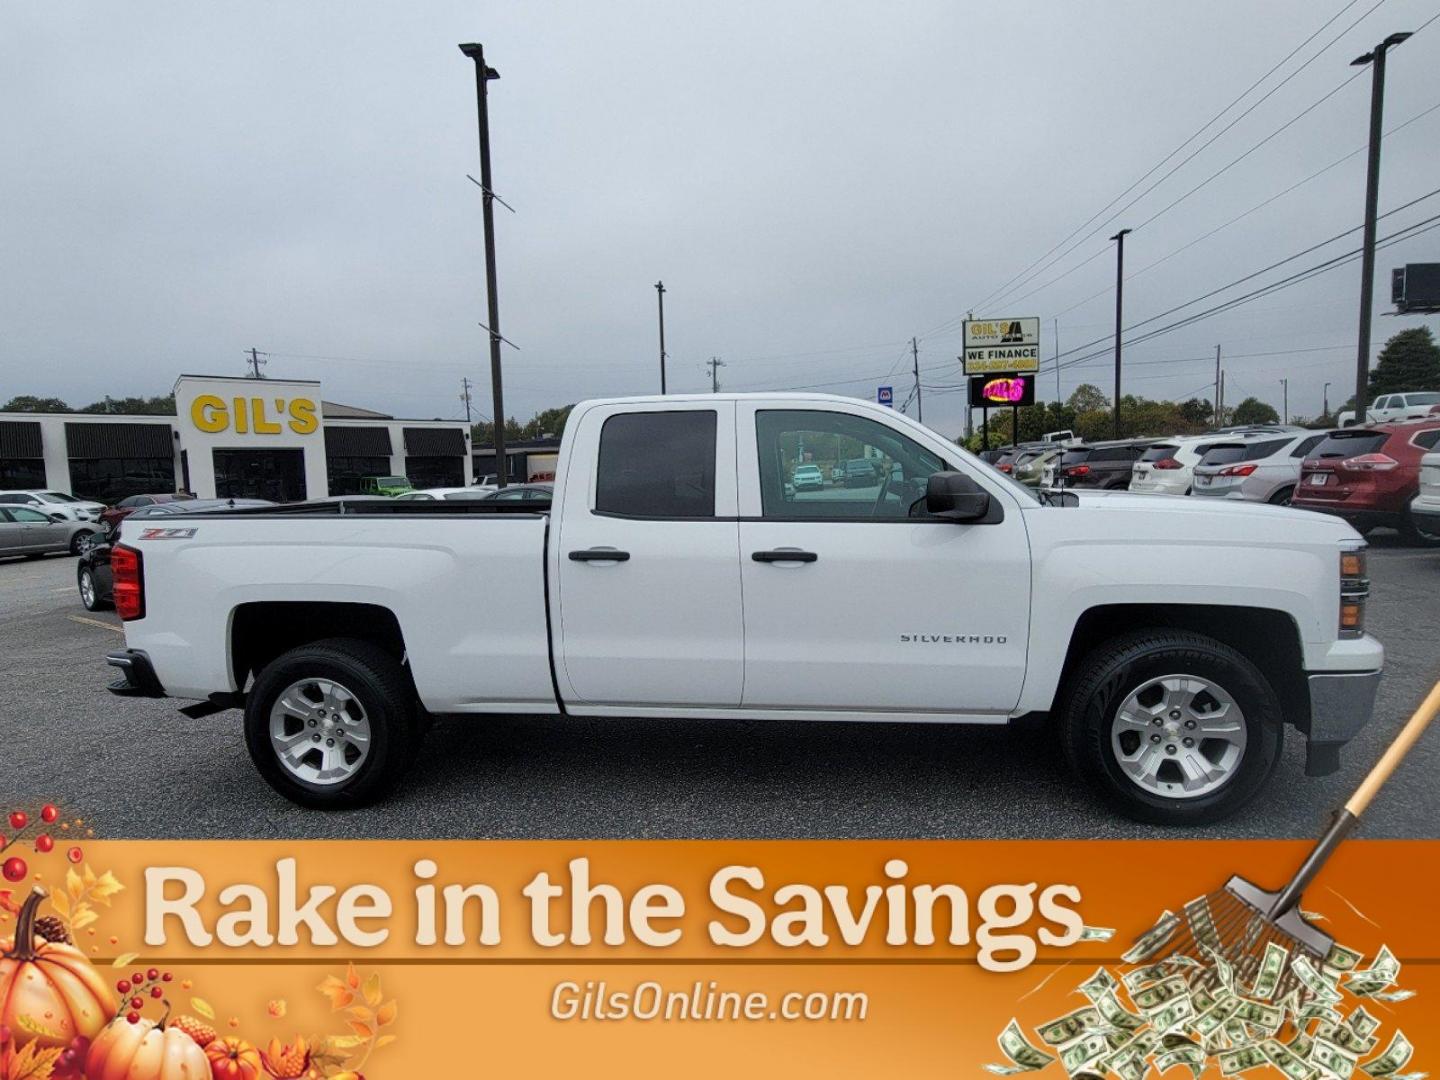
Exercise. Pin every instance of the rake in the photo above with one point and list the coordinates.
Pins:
(1239, 921)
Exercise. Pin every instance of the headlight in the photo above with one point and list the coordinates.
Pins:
(1354, 591)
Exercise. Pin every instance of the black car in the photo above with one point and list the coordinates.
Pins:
(1105, 465)
(92, 573)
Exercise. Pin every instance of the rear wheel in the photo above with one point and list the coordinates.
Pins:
(1171, 727)
(90, 593)
(1282, 497)
(332, 724)
(1411, 534)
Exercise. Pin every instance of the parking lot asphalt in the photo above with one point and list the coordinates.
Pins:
(138, 769)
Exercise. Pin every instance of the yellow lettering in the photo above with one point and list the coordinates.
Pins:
(257, 416)
(302, 416)
(242, 418)
(207, 413)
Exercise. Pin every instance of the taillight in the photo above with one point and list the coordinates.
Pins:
(1370, 463)
(1078, 470)
(128, 583)
(1354, 591)
(1238, 470)
(1006, 468)
(1167, 463)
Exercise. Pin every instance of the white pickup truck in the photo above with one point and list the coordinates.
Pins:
(679, 572)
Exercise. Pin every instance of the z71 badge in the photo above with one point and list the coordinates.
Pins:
(167, 534)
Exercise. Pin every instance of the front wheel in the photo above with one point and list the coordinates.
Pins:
(332, 724)
(1171, 727)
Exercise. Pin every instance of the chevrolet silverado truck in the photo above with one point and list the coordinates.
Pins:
(679, 572)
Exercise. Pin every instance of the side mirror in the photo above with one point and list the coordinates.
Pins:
(955, 496)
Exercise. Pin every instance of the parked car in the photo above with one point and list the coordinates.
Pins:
(808, 478)
(1030, 468)
(54, 502)
(92, 572)
(33, 533)
(1392, 408)
(113, 515)
(673, 578)
(522, 493)
(1368, 475)
(990, 457)
(453, 493)
(385, 486)
(1107, 465)
(1425, 507)
(860, 472)
(1167, 467)
(1258, 470)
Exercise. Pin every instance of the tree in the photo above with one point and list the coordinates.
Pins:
(547, 422)
(1196, 411)
(163, 405)
(1088, 398)
(1409, 361)
(1254, 411)
(30, 403)
(483, 434)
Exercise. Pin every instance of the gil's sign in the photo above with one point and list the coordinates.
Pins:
(997, 345)
(993, 391)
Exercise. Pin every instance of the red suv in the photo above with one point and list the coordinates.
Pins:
(1368, 475)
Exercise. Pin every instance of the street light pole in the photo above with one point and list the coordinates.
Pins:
(660, 295)
(1285, 406)
(1376, 59)
(483, 74)
(1119, 239)
(1325, 408)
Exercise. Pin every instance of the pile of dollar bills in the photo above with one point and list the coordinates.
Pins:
(1196, 1012)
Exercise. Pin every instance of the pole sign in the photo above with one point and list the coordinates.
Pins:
(994, 346)
(994, 391)
(886, 396)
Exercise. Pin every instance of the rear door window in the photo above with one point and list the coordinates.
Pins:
(657, 465)
(1304, 447)
(1264, 448)
(1224, 454)
(1344, 444)
(1073, 457)
(1159, 452)
(1112, 453)
(1427, 439)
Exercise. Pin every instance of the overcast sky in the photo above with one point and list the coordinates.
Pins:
(815, 183)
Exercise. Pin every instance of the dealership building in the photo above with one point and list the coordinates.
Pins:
(274, 439)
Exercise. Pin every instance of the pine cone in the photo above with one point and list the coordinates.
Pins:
(52, 929)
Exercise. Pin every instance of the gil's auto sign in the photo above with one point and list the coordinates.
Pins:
(994, 346)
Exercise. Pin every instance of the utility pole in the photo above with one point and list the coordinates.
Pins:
(915, 358)
(1325, 408)
(1058, 400)
(660, 295)
(1217, 386)
(1222, 399)
(1119, 239)
(255, 363)
(465, 397)
(483, 75)
(1285, 408)
(1376, 59)
(714, 364)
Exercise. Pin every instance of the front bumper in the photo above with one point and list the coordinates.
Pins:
(137, 677)
(1341, 703)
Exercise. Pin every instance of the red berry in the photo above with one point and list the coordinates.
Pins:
(152, 974)
(156, 991)
(48, 813)
(123, 986)
(137, 1003)
(15, 869)
(133, 1017)
(75, 854)
(44, 844)
(138, 978)
(166, 977)
(19, 819)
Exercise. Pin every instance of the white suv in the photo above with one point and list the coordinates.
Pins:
(1167, 467)
(54, 502)
(1425, 507)
(1255, 469)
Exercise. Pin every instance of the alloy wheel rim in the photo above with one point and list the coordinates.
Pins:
(1179, 736)
(319, 731)
(87, 589)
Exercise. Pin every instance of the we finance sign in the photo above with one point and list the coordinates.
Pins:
(1001, 345)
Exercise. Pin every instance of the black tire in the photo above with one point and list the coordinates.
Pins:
(1104, 678)
(1411, 534)
(1282, 497)
(94, 601)
(383, 689)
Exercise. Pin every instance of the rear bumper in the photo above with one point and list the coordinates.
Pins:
(1360, 518)
(1341, 703)
(137, 677)
(1425, 513)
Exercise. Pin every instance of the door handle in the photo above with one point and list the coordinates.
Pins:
(599, 555)
(784, 555)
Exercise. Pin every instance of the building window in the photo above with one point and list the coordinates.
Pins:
(429, 471)
(22, 473)
(277, 475)
(347, 473)
(110, 479)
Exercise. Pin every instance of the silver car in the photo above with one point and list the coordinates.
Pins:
(1255, 469)
(53, 502)
(32, 533)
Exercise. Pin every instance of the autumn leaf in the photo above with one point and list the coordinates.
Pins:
(88, 876)
(33, 1063)
(203, 1007)
(73, 885)
(83, 917)
(28, 1023)
(105, 887)
(384, 1040)
(60, 902)
(352, 977)
(343, 1042)
(365, 1031)
(339, 994)
(361, 1013)
(372, 989)
(124, 959)
(386, 1013)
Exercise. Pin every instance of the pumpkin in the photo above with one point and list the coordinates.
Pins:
(233, 1059)
(145, 1050)
(51, 985)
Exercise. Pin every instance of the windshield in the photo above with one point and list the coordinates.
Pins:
(1344, 444)
(394, 481)
(58, 496)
